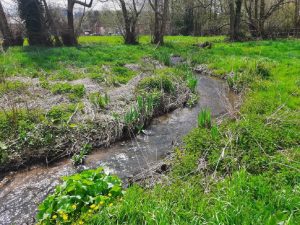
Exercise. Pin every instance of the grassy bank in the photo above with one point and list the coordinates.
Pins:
(52, 97)
(246, 172)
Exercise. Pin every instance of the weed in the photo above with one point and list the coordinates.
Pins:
(193, 100)
(141, 111)
(122, 75)
(99, 100)
(74, 91)
(12, 86)
(79, 197)
(61, 113)
(78, 159)
(163, 56)
(192, 83)
(204, 119)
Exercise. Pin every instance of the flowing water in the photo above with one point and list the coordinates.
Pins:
(22, 191)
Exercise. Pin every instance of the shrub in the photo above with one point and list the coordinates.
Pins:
(98, 77)
(80, 196)
(17, 121)
(239, 81)
(193, 100)
(143, 109)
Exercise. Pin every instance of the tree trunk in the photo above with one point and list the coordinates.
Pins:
(261, 22)
(160, 21)
(130, 36)
(52, 25)
(156, 35)
(235, 7)
(32, 13)
(164, 21)
(297, 12)
(69, 37)
(5, 30)
(232, 20)
(237, 20)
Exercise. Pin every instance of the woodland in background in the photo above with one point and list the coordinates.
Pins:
(51, 25)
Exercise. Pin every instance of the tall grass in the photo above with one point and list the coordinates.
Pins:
(204, 119)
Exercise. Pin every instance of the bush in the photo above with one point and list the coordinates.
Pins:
(80, 196)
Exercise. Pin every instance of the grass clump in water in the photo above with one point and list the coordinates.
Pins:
(204, 119)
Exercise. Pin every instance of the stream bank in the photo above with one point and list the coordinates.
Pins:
(21, 192)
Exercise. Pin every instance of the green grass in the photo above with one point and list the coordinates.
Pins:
(251, 173)
(75, 91)
(88, 59)
(12, 86)
(251, 170)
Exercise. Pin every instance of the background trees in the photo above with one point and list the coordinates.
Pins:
(69, 36)
(161, 11)
(131, 11)
(33, 15)
(4, 28)
(235, 8)
(48, 25)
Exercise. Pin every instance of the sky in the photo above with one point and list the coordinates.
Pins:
(10, 4)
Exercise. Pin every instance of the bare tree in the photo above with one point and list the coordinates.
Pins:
(5, 30)
(161, 13)
(131, 12)
(70, 37)
(258, 11)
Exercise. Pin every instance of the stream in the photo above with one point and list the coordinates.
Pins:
(22, 191)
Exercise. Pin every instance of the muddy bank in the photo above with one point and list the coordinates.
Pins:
(21, 192)
(88, 123)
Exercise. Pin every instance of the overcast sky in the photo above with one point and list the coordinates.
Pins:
(10, 4)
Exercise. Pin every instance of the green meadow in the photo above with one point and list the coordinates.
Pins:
(245, 170)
